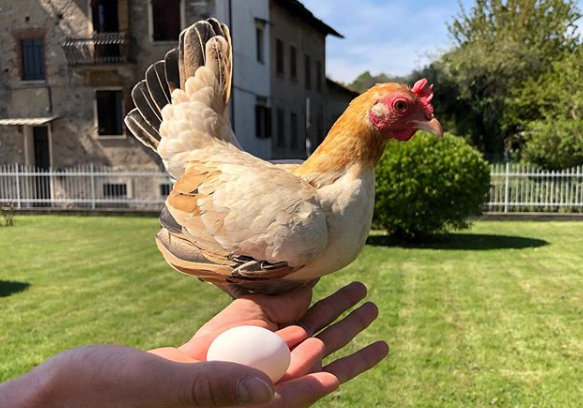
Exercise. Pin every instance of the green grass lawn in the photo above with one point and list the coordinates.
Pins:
(491, 317)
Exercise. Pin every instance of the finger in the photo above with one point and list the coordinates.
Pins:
(292, 335)
(346, 368)
(340, 334)
(305, 391)
(303, 358)
(329, 309)
(118, 376)
(284, 309)
(218, 384)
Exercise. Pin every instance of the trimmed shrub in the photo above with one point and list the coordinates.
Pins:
(429, 185)
(555, 144)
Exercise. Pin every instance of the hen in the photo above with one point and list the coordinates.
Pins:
(241, 222)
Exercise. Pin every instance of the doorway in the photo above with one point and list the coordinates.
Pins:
(42, 161)
(105, 18)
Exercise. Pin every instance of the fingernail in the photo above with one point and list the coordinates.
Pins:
(253, 390)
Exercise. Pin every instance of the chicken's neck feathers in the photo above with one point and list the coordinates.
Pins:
(352, 145)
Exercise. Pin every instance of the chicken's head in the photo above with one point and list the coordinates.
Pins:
(398, 112)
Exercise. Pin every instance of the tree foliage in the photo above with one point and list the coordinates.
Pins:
(366, 80)
(554, 144)
(502, 46)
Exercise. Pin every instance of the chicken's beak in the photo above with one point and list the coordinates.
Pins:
(432, 126)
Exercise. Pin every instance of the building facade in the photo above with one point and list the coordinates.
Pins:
(68, 67)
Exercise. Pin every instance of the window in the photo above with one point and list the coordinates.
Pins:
(293, 57)
(294, 131)
(165, 189)
(279, 57)
(308, 71)
(320, 129)
(33, 60)
(110, 112)
(115, 190)
(280, 128)
(260, 42)
(262, 119)
(319, 76)
(165, 20)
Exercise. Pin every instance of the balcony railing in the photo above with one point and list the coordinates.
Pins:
(98, 49)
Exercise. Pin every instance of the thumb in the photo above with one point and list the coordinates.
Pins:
(221, 384)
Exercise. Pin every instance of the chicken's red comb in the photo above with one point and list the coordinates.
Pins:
(425, 94)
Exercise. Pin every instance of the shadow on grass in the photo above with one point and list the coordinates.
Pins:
(470, 242)
(8, 288)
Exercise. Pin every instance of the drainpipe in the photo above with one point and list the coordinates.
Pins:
(233, 62)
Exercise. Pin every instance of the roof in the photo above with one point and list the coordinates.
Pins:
(332, 83)
(297, 8)
(27, 121)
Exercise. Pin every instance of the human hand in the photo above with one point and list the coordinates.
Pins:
(306, 381)
(116, 376)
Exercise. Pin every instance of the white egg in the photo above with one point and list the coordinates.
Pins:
(254, 347)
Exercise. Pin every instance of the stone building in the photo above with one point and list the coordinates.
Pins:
(68, 67)
(338, 98)
(299, 93)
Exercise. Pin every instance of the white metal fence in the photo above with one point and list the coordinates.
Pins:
(514, 188)
(520, 188)
(83, 187)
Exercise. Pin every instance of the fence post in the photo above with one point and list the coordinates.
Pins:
(92, 170)
(507, 187)
(16, 170)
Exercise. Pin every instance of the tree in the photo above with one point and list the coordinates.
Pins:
(365, 80)
(501, 45)
(556, 142)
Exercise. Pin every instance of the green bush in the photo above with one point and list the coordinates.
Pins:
(429, 185)
(554, 144)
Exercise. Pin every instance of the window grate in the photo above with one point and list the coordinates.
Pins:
(115, 190)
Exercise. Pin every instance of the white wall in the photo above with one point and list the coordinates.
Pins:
(251, 78)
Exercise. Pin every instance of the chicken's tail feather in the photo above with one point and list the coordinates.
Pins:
(206, 45)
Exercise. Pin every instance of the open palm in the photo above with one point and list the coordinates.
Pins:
(310, 333)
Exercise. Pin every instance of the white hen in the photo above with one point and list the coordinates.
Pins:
(243, 223)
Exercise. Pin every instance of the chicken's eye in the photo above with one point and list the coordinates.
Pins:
(401, 105)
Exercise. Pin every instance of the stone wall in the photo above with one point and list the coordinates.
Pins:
(69, 92)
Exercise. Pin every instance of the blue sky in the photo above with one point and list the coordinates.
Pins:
(391, 36)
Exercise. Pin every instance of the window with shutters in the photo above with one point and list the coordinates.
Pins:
(262, 120)
(260, 41)
(293, 58)
(308, 71)
(33, 60)
(294, 130)
(280, 141)
(279, 58)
